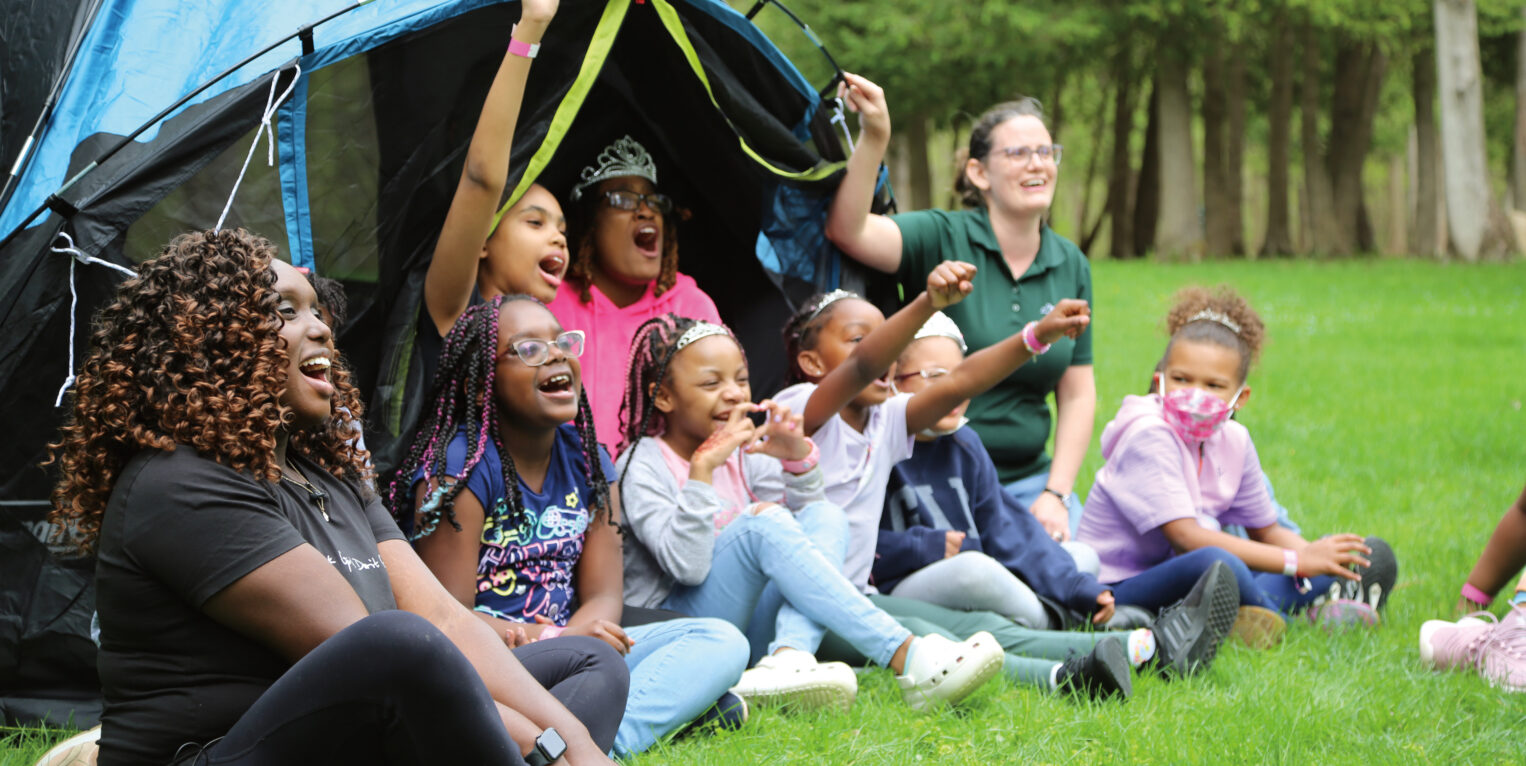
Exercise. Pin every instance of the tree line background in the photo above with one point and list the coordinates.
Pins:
(1257, 128)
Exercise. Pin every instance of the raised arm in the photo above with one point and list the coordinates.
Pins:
(453, 268)
(873, 240)
(986, 367)
(948, 283)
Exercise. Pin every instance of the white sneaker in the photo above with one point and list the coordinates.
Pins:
(78, 750)
(941, 671)
(793, 678)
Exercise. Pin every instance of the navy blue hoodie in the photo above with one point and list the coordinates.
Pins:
(950, 483)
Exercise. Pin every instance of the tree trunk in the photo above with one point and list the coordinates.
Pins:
(1083, 219)
(1215, 173)
(1147, 198)
(1397, 230)
(918, 172)
(1478, 227)
(1279, 137)
(1425, 239)
(1518, 155)
(1323, 233)
(1179, 232)
(1234, 150)
(1359, 69)
(1119, 183)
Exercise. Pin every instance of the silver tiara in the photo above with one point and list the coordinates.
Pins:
(625, 157)
(1216, 316)
(827, 300)
(699, 330)
(940, 326)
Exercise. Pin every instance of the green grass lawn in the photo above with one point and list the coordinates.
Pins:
(1388, 401)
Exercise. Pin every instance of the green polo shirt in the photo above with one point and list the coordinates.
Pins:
(1012, 418)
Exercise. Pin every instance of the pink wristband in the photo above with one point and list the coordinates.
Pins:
(1475, 595)
(804, 464)
(1031, 339)
(550, 631)
(522, 48)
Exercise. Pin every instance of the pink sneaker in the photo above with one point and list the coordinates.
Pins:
(1343, 614)
(1496, 649)
(1448, 646)
(1504, 658)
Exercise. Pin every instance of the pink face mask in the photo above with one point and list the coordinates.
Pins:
(1194, 414)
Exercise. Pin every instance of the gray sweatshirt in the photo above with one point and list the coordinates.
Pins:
(670, 524)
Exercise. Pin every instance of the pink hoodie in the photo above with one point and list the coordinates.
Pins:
(610, 330)
(1151, 477)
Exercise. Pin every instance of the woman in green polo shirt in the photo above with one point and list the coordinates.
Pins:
(1024, 269)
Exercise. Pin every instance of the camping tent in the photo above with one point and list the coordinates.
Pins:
(143, 132)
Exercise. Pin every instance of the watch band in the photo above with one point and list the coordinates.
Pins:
(1064, 498)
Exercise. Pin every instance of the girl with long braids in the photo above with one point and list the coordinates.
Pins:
(510, 499)
(257, 604)
(727, 519)
(624, 269)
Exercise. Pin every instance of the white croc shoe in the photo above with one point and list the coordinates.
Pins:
(78, 750)
(943, 672)
(795, 679)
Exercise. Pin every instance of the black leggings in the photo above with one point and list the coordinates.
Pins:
(392, 689)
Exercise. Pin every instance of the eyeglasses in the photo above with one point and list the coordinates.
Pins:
(535, 352)
(624, 200)
(1021, 153)
(927, 374)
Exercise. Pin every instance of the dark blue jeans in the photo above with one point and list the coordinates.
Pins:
(1170, 580)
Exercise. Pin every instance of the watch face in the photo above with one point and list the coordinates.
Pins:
(551, 744)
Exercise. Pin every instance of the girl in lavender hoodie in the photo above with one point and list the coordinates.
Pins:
(1178, 469)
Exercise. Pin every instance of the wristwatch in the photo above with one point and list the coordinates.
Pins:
(549, 747)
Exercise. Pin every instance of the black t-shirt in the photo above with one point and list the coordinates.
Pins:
(178, 529)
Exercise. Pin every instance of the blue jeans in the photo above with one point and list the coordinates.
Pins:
(1027, 490)
(678, 669)
(801, 556)
(1171, 579)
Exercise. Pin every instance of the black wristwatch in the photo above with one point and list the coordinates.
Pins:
(1064, 497)
(549, 746)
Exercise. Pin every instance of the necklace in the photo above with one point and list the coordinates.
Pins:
(301, 481)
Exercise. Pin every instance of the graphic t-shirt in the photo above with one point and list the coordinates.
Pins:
(178, 529)
(526, 562)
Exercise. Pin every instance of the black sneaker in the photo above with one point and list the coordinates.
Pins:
(1102, 673)
(728, 712)
(1377, 579)
(1129, 617)
(1189, 632)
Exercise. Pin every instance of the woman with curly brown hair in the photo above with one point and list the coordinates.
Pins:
(624, 270)
(257, 603)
